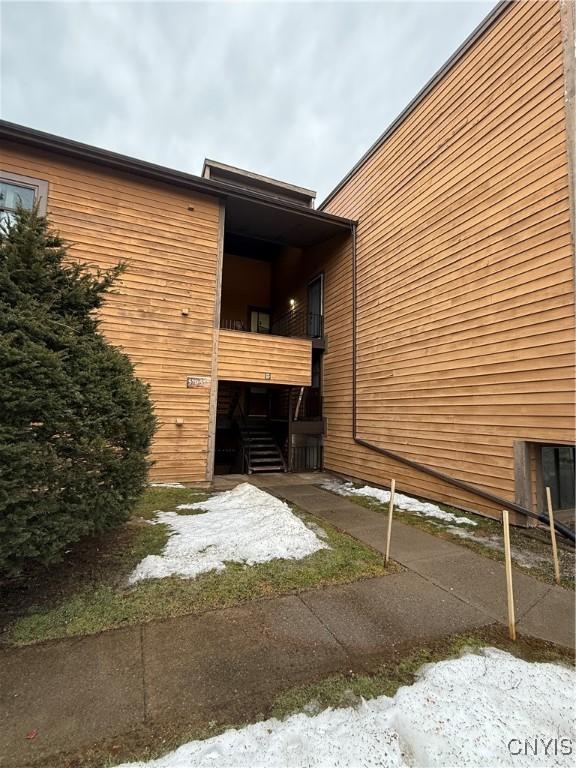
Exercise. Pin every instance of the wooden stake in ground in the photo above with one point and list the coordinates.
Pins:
(389, 531)
(509, 590)
(553, 536)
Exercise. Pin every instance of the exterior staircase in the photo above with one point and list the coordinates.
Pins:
(261, 451)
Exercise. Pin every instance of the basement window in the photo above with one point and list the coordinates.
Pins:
(557, 464)
(20, 191)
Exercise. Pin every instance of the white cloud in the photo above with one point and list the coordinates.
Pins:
(294, 90)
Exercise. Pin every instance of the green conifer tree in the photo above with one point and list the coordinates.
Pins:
(75, 422)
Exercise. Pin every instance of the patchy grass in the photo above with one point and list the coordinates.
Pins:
(88, 593)
(531, 548)
(156, 499)
(348, 690)
(155, 739)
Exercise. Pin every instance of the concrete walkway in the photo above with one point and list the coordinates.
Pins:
(222, 665)
(542, 610)
(230, 664)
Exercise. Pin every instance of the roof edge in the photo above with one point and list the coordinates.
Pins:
(209, 163)
(484, 25)
(68, 147)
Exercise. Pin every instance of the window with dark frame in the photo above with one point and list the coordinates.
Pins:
(558, 471)
(20, 191)
(259, 320)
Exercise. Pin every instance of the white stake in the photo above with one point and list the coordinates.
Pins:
(553, 536)
(389, 531)
(509, 590)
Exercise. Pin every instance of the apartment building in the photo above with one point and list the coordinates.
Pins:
(418, 324)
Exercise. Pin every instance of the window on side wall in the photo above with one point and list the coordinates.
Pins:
(557, 467)
(23, 191)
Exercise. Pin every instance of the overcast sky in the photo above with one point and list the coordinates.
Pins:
(297, 91)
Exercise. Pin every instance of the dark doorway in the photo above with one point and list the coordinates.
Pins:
(251, 428)
(258, 402)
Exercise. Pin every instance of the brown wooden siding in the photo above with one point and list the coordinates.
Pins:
(172, 253)
(245, 285)
(249, 356)
(465, 274)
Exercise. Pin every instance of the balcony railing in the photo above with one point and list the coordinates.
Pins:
(233, 325)
(296, 324)
(305, 325)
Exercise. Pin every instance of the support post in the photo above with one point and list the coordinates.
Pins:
(390, 511)
(553, 536)
(213, 398)
(290, 415)
(522, 484)
(509, 589)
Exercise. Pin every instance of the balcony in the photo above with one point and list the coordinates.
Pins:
(264, 358)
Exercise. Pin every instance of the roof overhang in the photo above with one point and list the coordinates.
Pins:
(230, 174)
(280, 224)
(248, 213)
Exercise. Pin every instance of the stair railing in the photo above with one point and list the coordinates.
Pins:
(298, 404)
(246, 457)
(239, 418)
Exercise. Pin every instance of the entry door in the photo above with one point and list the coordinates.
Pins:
(315, 308)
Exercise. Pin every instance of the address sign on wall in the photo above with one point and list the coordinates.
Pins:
(195, 382)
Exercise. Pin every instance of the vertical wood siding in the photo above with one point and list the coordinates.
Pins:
(465, 273)
(172, 259)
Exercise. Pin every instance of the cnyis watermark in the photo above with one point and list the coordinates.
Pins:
(543, 746)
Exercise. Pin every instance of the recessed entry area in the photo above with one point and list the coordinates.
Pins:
(267, 428)
(269, 288)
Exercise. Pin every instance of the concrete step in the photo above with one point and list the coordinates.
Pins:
(266, 444)
(270, 468)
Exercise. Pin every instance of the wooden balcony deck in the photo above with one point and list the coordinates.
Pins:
(264, 359)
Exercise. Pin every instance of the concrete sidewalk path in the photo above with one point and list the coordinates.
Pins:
(223, 665)
(543, 610)
(231, 664)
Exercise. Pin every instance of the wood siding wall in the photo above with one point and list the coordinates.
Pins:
(169, 237)
(245, 284)
(249, 356)
(464, 274)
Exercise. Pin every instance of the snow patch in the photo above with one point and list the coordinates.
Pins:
(462, 712)
(245, 525)
(522, 557)
(166, 485)
(406, 503)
